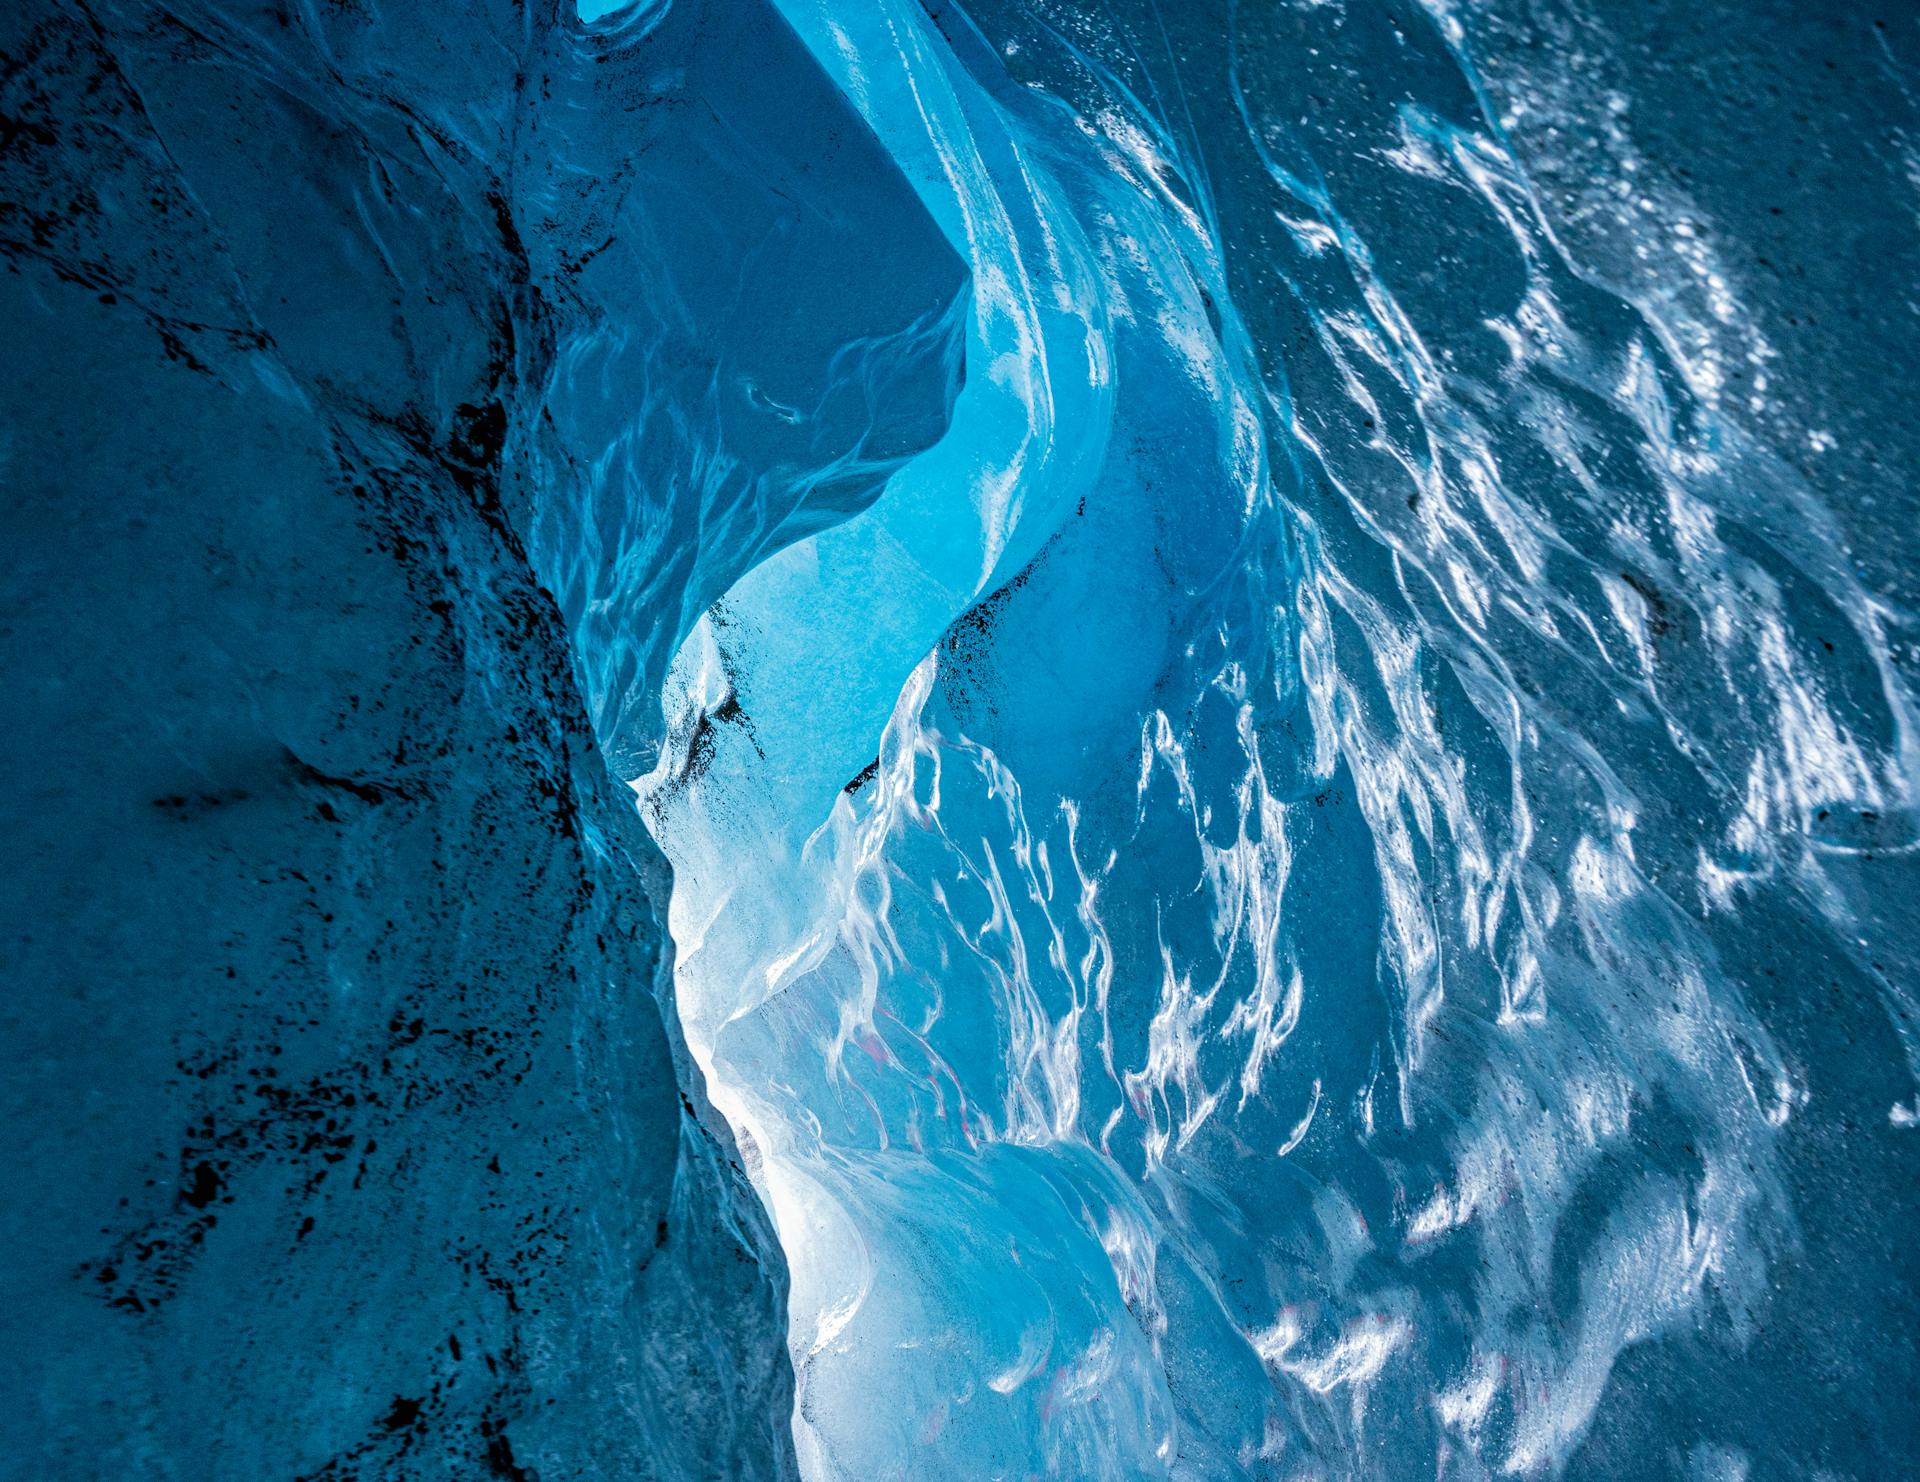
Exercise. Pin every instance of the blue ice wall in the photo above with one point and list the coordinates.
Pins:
(1323, 888)
(349, 1131)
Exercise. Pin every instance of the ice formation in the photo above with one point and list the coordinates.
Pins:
(878, 739)
(1225, 904)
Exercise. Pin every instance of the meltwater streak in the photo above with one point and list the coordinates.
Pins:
(1309, 892)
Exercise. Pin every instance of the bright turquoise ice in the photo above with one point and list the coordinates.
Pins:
(1257, 911)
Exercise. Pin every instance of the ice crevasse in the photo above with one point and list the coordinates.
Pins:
(870, 738)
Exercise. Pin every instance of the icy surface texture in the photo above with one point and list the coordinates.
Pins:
(349, 1130)
(1323, 888)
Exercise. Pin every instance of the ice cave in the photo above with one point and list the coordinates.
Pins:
(961, 739)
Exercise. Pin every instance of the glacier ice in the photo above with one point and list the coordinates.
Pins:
(872, 738)
(1224, 905)
(350, 1132)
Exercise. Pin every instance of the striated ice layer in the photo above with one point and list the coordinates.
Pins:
(1322, 888)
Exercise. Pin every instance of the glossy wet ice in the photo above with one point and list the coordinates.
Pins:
(1320, 888)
